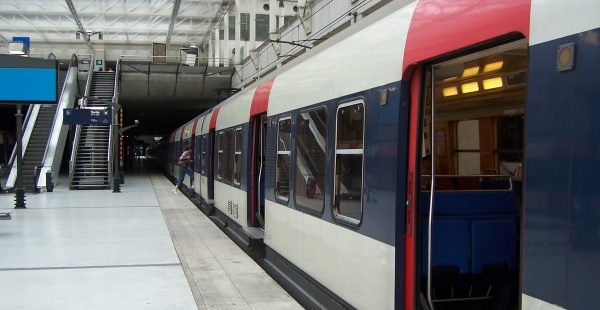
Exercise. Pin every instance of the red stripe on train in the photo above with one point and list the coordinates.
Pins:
(260, 101)
(439, 27)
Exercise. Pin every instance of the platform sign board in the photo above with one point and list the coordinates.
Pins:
(28, 80)
(87, 117)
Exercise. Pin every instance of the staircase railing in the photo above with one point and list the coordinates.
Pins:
(83, 102)
(70, 90)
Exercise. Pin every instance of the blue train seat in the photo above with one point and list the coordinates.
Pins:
(451, 242)
(472, 229)
(493, 242)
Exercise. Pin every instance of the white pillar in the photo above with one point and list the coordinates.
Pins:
(252, 39)
(217, 46)
(226, 51)
(273, 5)
(281, 16)
(237, 34)
(210, 53)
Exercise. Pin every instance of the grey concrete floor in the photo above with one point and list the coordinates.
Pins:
(144, 248)
(220, 274)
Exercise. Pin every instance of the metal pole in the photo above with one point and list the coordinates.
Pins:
(431, 192)
(19, 191)
(115, 150)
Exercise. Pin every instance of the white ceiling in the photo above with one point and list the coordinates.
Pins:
(124, 24)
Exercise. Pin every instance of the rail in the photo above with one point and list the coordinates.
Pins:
(470, 183)
(75, 145)
(24, 125)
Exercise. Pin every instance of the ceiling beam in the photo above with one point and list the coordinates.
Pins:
(79, 25)
(176, 5)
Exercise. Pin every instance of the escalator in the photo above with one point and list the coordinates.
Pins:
(38, 130)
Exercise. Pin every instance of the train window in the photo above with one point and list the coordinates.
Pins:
(284, 153)
(237, 157)
(509, 137)
(221, 156)
(311, 141)
(204, 145)
(197, 154)
(228, 149)
(348, 174)
(468, 147)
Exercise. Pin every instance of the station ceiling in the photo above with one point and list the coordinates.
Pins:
(121, 22)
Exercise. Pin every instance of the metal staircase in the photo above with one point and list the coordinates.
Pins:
(90, 167)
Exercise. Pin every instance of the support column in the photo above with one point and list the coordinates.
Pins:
(210, 53)
(272, 16)
(252, 39)
(226, 51)
(281, 16)
(238, 34)
(217, 47)
(19, 190)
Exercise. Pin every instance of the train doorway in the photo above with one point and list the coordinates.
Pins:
(469, 197)
(211, 170)
(257, 193)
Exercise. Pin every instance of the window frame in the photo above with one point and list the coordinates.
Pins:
(334, 209)
(236, 153)
(285, 200)
(203, 160)
(220, 155)
(300, 206)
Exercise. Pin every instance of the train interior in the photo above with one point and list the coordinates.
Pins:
(473, 134)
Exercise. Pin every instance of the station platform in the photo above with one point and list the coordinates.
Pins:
(143, 248)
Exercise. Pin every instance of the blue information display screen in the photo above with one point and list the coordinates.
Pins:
(28, 80)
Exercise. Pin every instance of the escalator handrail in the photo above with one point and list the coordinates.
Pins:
(13, 155)
(73, 63)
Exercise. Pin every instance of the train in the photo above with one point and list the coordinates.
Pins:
(435, 155)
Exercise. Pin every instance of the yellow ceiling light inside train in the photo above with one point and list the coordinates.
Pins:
(492, 83)
(472, 71)
(493, 66)
(450, 91)
(469, 87)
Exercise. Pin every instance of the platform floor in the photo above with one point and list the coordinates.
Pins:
(144, 248)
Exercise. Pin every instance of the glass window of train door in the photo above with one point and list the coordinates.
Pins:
(237, 157)
(220, 156)
(204, 145)
(283, 161)
(349, 162)
(311, 146)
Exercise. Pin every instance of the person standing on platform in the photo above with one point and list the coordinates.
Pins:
(185, 167)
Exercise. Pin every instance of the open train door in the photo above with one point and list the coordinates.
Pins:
(258, 139)
(212, 158)
(257, 173)
(467, 68)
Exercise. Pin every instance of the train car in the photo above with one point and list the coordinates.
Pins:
(436, 155)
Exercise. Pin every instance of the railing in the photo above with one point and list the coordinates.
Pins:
(74, 150)
(24, 125)
(75, 146)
